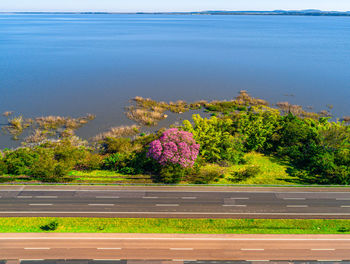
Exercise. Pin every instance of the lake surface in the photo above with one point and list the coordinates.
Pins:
(73, 64)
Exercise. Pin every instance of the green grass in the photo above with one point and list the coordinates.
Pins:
(273, 172)
(151, 225)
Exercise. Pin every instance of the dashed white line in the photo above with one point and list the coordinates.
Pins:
(240, 198)
(323, 249)
(345, 206)
(101, 204)
(296, 205)
(188, 198)
(40, 204)
(37, 248)
(109, 248)
(107, 197)
(24, 197)
(181, 248)
(252, 249)
(167, 205)
(53, 197)
(235, 205)
(258, 260)
(294, 198)
(150, 197)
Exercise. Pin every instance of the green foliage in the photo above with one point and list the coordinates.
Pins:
(246, 173)
(52, 226)
(206, 175)
(217, 142)
(115, 145)
(19, 161)
(172, 173)
(257, 126)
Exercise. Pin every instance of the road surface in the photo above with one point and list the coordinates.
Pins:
(175, 247)
(181, 202)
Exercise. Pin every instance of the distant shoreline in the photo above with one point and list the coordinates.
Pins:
(261, 13)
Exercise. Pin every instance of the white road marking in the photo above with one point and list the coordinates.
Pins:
(345, 206)
(188, 198)
(24, 197)
(173, 238)
(150, 197)
(322, 249)
(40, 204)
(343, 199)
(296, 205)
(294, 198)
(46, 197)
(173, 213)
(235, 205)
(37, 248)
(107, 197)
(101, 204)
(240, 198)
(252, 249)
(109, 248)
(167, 205)
(181, 248)
(260, 260)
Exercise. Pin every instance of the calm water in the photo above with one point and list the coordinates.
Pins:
(75, 64)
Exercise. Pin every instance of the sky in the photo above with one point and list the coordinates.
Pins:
(169, 5)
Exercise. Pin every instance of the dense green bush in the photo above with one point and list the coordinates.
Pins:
(246, 173)
(171, 174)
(20, 161)
(216, 140)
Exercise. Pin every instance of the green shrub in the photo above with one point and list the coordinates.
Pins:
(90, 161)
(20, 161)
(3, 167)
(206, 175)
(116, 145)
(216, 138)
(171, 174)
(52, 226)
(246, 173)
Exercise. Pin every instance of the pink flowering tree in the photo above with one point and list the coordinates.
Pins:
(175, 147)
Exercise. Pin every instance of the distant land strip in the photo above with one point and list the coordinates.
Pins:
(310, 12)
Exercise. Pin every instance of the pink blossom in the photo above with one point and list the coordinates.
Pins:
(175, 147)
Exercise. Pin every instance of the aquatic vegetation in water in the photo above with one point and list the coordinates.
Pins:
(7, 113)
(117, 132)
(298, 110)
(16, 126)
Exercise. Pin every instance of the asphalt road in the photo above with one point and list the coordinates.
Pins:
(175, 202)
(177, 248)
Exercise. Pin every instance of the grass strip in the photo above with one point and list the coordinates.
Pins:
(154, 225)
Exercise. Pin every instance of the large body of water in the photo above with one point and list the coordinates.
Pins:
(73, 64)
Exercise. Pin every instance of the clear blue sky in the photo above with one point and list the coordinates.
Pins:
(169, 5)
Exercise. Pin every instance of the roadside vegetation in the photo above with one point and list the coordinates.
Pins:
(191, 226)
(244, 141)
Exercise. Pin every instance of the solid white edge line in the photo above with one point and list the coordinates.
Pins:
(252, 249)
(176, 238)
(239, 198)
(24, 197)
(178, 213)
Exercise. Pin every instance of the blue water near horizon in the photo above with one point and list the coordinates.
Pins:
(73, 64)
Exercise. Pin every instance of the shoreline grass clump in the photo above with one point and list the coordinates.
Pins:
(179, 226)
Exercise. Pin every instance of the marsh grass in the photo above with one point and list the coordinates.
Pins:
(117, 132)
